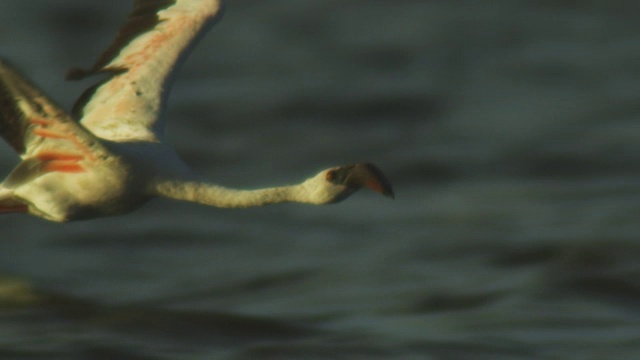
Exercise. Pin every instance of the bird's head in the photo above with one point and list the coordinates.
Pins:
(338, 183)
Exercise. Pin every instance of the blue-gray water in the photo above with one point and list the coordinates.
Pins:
(509, 129)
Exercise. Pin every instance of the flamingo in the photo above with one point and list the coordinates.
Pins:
(107, 156)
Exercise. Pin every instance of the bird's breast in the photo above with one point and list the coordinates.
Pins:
(106, 187)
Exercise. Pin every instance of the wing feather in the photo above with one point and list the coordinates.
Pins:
(24, 108)
(158, 35)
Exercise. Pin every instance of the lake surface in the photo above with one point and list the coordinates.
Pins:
(509, 129)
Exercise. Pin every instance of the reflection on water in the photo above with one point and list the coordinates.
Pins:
(509, 134)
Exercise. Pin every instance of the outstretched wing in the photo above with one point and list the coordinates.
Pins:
(127, 106)
(28, 117)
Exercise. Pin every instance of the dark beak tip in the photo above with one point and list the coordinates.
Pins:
(387, 192)
(368, 175)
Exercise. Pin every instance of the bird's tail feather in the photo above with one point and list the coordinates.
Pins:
(9, 204)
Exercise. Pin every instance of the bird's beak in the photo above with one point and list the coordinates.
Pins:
(367, 175)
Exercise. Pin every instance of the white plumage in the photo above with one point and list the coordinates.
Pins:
(114, 159)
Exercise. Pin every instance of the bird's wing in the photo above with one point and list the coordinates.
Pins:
(31, 122)
(156, 38)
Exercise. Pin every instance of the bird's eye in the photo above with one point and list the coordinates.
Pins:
(331, 174)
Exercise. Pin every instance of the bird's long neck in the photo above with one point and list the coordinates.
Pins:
(219, 196)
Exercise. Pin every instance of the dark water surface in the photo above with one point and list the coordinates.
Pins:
(511, 133)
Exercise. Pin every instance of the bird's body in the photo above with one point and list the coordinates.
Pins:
(115, 180)
(108, 157)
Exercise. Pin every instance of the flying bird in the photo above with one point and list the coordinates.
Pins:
(108, 155)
